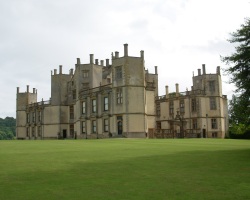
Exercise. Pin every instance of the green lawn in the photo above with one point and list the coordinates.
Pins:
(125, 169)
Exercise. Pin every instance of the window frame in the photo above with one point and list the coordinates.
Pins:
(105, 125)
(106, 103)
(94, 106)
(94, 126)
(119, 96)
(214, 124)
(212, 102)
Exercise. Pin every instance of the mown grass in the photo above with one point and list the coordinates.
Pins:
(125, 169)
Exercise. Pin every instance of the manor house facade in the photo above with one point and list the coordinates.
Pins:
(120, 99)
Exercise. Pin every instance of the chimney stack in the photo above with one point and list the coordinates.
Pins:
(177, 89)
(78, 61)
(55, 71)
(107, 62)
(218, 70)
(60, 69)
(17, 90)
(199, 72)
(142, 54)
(96, 62)
(102, 62)
(203, 69)
(28, 88)
(91, 56)
(116, 54)
(166, 89)
(156, 71)
(125, 50)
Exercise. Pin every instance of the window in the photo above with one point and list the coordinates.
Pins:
(71, 112)
(94, 126)
(106, 104)
(171, 107)
(33, 131)
(84, 127)
(211, 86)
(27, 132)
(119, 96)
(194, 103)
(214, 135)
(212, 103)
(182, 108)
(158, 125)
(33, 117)
(83, 107)
(74, 94)
(39, 131)
(106, 125)
(94, 105)
(85, 85)
(85, 73)
(118, 72)
(214, 123)
(28, 118)
(39, 116)
(158, 109)
(71, 129)
(195, 124)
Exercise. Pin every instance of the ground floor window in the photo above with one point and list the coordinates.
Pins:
(71, 129)
(94, 126)
(214, 123)
(106, 125)
(84, 127)
(39, 131)
(214, 135)
(27, 132)
(33, 131)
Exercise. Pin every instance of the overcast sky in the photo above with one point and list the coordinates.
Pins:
(178, 36)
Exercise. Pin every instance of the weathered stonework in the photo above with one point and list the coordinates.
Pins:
(120, 100)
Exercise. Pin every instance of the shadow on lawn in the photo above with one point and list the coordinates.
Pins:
(183, 175)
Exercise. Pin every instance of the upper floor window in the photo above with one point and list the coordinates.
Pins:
(83, 107)
(118, 72)
(171, 107)
(71, 112)
(119, 96)
(33, 117)
(212, 103)
(158, 109)
(94, 105)
(214, 123)
(39, 116)
(85, 73)
(74, 94)
(28, 118)
(194, 105)
(106, 104)
(211, 86)
(182, 108)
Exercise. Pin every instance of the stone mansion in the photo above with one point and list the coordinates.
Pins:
(120, 99)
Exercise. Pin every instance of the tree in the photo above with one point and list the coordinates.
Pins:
(7, 128)
(239, 67)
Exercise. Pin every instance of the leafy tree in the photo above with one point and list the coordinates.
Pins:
(7, 128)
(239, 67)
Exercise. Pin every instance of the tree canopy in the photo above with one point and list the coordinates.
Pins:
(238, 71)
(7, 128)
